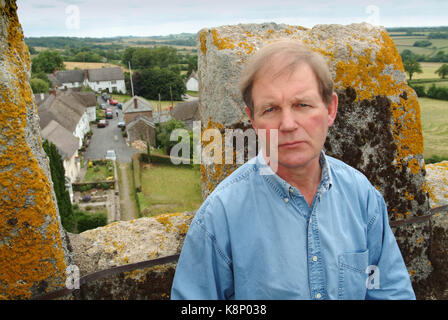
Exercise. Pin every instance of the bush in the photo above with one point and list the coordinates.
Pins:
(435, 159)
(422, 43)
(89, 221)
(419, 90)
(440, 93)
(105, 186)
(86, 198)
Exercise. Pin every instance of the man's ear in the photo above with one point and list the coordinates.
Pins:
(332, 109)
(250, 117)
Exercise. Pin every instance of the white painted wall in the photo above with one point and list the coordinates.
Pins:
(192, 85)
(82, 128)
(72, 167)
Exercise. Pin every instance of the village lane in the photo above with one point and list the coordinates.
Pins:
(108, 138)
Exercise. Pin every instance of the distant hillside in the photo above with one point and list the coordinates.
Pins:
(182, 39)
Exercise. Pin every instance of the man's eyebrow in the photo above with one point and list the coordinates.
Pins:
(301, 99)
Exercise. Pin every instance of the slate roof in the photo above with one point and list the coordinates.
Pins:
(192, 75)
(69, 76)
(105, 74)
(72, 76)
(63, 139)
(142, 105)
(186, 110)
(88, 99)
(65, 109)
(140, 118)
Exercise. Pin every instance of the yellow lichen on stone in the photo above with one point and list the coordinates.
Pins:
(221, 43)
(203, 41)
(31, 250)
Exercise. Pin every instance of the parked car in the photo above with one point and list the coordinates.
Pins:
(105, 96)
(121, 124)
(109, 114)
(120, 105)
(103, 106)
(110, 155)
(102, 123)
(113, 102)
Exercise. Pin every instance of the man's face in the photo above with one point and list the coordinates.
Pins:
(291, 103)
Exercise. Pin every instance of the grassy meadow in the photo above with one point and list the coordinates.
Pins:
(434, 117)
(170, 188)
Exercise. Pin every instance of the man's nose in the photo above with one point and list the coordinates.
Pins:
(288, 122)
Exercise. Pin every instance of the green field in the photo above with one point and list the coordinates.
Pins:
(429, 69)
(434, 117)
(403, 42)
(169, 188)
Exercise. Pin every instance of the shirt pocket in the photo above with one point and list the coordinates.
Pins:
(352, 275)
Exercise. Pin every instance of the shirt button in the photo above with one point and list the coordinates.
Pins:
(315, 258)
(286, 200)
(318, 296)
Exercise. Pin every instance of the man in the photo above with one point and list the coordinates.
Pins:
(313, 229)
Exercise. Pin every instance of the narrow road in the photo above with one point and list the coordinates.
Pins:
(128, 210)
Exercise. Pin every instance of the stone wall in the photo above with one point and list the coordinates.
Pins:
(377, 129)
(35, 250)
(32, 258)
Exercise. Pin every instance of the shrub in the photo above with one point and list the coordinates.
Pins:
(86, 198)
(435, 159)
(437, 92)
(89, 221)
(422, 43)
(105, 186)
(419, 90)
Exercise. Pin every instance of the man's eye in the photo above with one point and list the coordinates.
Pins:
(270, 109)
(302, 105)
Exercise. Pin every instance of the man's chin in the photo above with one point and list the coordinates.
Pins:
(294, 162)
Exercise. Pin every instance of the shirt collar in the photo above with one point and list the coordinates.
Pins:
(282, 187)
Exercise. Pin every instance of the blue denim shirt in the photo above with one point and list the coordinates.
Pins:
(255, 237)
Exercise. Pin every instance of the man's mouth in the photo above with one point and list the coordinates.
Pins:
(290, 145)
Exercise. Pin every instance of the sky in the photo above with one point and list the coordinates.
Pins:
(110, 18)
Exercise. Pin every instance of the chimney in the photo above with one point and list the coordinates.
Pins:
(85, 74)
(135, 103)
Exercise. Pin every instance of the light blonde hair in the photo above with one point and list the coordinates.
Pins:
(291, 53)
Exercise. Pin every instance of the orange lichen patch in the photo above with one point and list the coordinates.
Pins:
(414, 166)
(247, 47)
(213, 174)
(408, 196)
(221, 43)
(426, 188)
(368, 80)
(30, 248)
(165, 219)
(407, 131)
(203, 40)
(183, 228)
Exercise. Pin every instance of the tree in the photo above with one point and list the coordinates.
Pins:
(47, 61)
(149, 83)
(163, 134)
(442, 71)
(411, 66)
(39, 85)
(58, 177)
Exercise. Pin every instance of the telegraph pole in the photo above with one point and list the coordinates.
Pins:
(130, 76)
